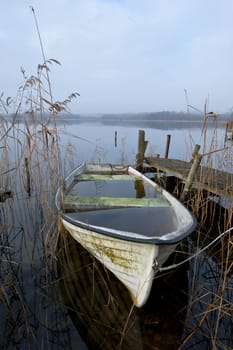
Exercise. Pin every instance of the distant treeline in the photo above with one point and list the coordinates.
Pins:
(158, 120)
(153, 117)
(167, 115)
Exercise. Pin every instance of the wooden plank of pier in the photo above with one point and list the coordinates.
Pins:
(212, 180)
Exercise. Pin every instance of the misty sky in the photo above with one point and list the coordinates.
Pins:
(123, 55)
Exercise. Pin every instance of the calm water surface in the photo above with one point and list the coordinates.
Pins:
(97, 305)
(94, 142)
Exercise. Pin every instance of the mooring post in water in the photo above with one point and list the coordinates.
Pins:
(191, 175)
(167, 146)
(115, 138)
(26, 165)
(142, 144)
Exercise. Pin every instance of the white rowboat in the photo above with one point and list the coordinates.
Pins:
(125, 220)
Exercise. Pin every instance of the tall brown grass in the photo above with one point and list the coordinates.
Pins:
(211, 297)
(31, 169)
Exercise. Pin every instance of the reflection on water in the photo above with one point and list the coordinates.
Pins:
(102, 310)
(127, 188)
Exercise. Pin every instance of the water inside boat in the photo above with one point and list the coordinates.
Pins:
(114, 186)
(145, 220)
(148, 221)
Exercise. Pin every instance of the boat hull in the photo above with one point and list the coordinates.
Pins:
(134, 264)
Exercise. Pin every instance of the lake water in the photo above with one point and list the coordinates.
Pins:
(97, 141)
(97, 306)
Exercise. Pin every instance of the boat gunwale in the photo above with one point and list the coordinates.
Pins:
(124, 235)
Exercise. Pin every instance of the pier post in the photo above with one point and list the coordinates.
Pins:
(167, 146)
(195, 152)
(193, 170)
(142, 144)
(115, 138)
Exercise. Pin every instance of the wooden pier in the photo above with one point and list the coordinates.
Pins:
(192, 174)
(214, 181)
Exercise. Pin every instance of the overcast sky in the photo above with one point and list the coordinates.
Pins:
(123, 55)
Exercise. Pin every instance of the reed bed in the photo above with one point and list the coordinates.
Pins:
(37, 284)
(30, 171)
(211, 273)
